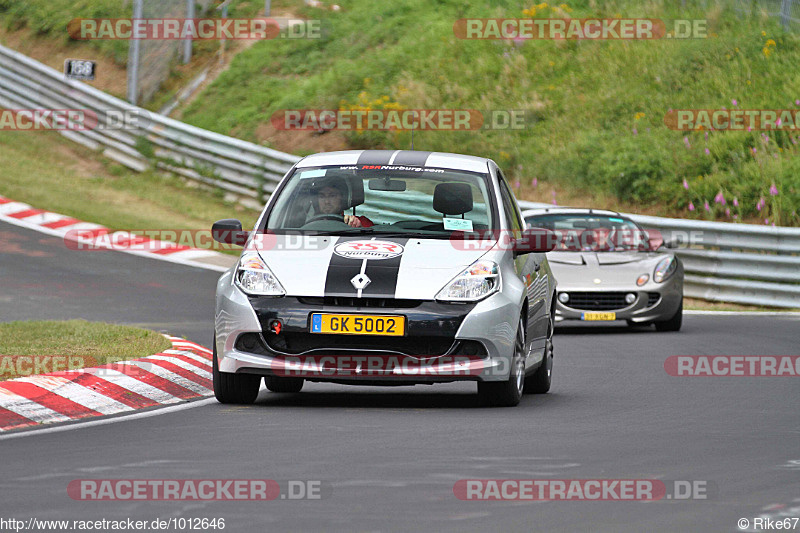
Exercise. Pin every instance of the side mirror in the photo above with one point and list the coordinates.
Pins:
(534, 240)
(229, 231)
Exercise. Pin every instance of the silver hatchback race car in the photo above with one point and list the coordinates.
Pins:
(386, 268)
(609, 268)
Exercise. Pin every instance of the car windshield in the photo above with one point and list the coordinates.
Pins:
(591, 232)
(429, 202)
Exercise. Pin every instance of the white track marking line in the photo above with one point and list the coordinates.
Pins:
(124, 418)
(28, 408)
(78, 393)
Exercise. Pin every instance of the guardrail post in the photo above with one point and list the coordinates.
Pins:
(133, 58)
(187, 43)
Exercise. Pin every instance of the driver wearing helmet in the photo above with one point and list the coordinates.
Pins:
(330, 200)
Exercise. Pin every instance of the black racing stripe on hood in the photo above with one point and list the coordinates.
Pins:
(408, 157)
(383, 273)
(341, 270)
(375, 157)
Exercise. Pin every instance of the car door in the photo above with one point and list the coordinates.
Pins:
(530, 272)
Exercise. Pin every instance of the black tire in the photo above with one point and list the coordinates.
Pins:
(508, 393)
(234, 388)
(674, 323)
(276, 384)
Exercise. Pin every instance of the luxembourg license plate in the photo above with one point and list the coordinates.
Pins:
(599, 316)
(385, 325)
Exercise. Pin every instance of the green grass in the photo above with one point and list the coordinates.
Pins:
(29, 347)
(52, 173)
(586, 98)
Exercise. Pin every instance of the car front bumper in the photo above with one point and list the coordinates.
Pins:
(465, 341)
(669, 300)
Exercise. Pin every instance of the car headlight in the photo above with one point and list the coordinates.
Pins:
(478, 281)
(254, 277)
(664, 269)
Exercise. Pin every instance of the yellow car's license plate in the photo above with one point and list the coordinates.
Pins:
(599, 316)
(358, 324)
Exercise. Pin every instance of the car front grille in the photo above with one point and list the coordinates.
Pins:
(597, 301)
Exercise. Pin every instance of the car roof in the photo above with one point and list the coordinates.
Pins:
(413, 158)
(569, 211)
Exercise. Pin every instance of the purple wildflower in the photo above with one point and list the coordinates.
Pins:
(691, 206)
(773, 190)
(685, 184)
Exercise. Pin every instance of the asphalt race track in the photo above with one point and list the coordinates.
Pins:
(387, 459)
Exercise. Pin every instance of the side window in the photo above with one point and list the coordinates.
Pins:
(510, 207)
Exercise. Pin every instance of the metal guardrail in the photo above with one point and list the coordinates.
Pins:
(245, 169)
(738, 263)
